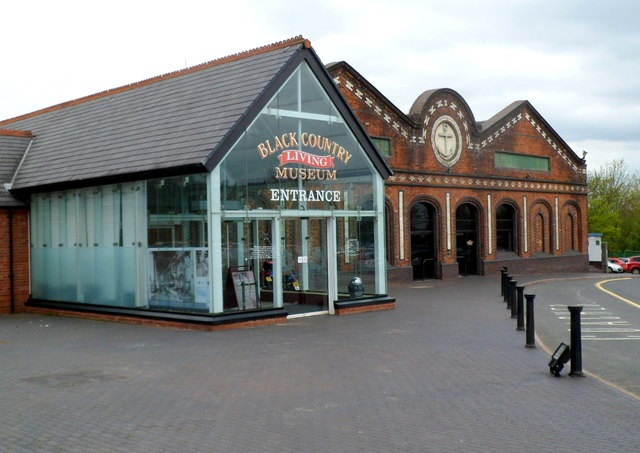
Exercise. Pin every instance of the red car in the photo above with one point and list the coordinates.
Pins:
(633, 265)
(620, 261)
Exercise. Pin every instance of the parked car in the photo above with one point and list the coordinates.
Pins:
(613, 267)
(622, 262)
(633, 265)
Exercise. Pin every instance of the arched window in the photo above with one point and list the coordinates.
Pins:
(542, 238)
(571, 228)
(570, 237)
(506, 228)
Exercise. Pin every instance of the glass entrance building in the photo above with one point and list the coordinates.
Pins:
(241, 186)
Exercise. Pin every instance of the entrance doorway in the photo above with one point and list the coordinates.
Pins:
(304, 265)
(423, 241)
(251, 264)
(467, 239)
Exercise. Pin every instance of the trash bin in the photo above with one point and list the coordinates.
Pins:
(356, 289)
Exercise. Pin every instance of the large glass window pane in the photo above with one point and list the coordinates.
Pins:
(177, 210)
(78, 252)
(177, 238)
(357, 254)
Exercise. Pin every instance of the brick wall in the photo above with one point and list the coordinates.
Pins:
(17, 221)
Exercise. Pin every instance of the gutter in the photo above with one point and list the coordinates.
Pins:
(9, 186)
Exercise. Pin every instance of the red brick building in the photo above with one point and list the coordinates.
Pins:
(467, 196)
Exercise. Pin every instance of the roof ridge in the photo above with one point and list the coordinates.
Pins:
(16, 133)
(169, 75)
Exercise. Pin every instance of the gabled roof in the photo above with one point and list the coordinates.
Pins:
(13, 145)
(488, 127)
(333, 67)
(500, 116)
(177, 123)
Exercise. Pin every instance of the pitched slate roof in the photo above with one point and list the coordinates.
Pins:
(13, 145)
(170, 123)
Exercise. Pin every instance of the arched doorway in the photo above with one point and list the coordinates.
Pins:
(467, 239)
(423, 241)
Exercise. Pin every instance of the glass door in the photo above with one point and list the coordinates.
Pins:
(247, 264)
(304, 265)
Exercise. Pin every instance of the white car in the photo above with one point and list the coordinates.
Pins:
(613, 267)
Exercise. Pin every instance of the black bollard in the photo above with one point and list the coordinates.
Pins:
(576, 341)
(503, 278)
(512, 297)
(520, 307)
(507, 279)
(531, 330)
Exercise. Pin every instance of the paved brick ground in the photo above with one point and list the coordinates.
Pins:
(446, 371)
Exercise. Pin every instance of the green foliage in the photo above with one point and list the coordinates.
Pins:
(614, 205)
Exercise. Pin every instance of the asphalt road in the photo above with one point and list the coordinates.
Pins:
(610, 324)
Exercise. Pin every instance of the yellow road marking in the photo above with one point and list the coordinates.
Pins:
(611, 293)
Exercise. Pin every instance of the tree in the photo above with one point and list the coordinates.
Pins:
(614, 205)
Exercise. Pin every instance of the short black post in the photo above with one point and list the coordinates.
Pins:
(503, 274)
(507, 279)
(520, 307)
(531, 330)
(576, 341)
(512, 297)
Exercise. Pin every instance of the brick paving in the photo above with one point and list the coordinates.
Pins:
(446, 371)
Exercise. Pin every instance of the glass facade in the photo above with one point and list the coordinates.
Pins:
(300, 206)
(289, 217)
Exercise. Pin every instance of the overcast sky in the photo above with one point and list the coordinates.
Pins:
(577, 62)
